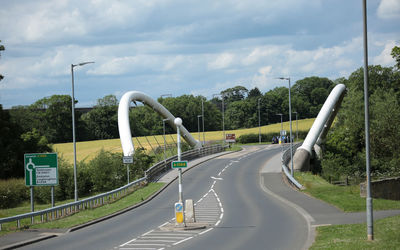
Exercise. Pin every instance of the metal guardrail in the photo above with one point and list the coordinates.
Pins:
(98, 200)
(285, 160)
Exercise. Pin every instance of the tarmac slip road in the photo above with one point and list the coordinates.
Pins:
(228, 198)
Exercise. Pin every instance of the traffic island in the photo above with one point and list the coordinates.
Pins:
(189, 226)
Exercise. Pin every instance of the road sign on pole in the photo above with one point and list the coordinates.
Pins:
(41, 169)
(179, 164)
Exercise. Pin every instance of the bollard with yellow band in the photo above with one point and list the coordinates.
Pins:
(179, 215)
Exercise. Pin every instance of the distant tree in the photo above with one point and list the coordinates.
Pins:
(54, 115)
(102, 120)
(313, 90)
(254, 93)
(396, 55)
(234, 94)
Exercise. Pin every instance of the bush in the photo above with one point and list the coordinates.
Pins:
(13, 192)
(104, 173)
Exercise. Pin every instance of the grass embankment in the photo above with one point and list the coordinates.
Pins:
(84, 215)
(88, 149)
(347, 198)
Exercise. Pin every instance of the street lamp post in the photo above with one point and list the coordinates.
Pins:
(259, 122)
(370, 211)
(223, 117)
(73, 125)
(198, 125)
(290, 122)
(202, 119)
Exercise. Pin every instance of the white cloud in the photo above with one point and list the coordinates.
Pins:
(389, 9)
(385, 58)
(222, 61)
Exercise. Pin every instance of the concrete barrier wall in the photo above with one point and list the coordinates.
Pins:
(384, 189)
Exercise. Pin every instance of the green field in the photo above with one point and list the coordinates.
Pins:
(88, 149)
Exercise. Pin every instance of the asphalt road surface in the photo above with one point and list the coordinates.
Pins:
(229, 199)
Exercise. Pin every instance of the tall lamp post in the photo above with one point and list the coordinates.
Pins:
(370, 221)
(73, 124)
(290, 122)
(223, 117)
(259, 122)
(198, 125)
(202, 120)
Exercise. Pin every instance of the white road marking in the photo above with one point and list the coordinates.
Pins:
(216, 178)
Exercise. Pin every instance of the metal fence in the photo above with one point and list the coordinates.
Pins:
(98, 200)
(285, 160)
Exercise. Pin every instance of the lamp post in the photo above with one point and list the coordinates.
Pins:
(259, 122)
(73, 125)
(290, 122)
(198, 125)
(297, 126)
(202, 119)
(370, 221)
(223, 117)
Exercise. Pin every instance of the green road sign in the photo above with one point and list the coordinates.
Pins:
(41, 169)
(179, 164)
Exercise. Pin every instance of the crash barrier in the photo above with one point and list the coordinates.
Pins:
(151, 174)
(286, 160)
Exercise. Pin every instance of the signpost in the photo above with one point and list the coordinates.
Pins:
(179, 164)
(41, 169)
(127, 160)
(230, 138)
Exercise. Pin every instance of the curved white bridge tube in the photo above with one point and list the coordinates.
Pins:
(123, 120)
(319, 128)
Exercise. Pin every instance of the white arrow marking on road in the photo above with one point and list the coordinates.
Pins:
(215, 178)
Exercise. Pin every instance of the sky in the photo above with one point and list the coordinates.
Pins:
(182, 47)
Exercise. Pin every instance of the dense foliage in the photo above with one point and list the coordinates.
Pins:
(345, 146)
(103, 173)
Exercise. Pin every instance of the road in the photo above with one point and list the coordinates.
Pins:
(229, 197)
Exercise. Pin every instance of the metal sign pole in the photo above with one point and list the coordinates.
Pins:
(178, 123)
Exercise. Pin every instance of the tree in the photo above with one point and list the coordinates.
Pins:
(345, 144)
(254, 93)
(54, 117)
(396, 55)
(234, 94)
(102, 120)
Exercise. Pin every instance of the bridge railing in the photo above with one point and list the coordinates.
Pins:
(286, 160)
(98, 200)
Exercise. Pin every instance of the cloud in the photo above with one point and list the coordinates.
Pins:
(222, 61)
(385, 58)
(389, 9)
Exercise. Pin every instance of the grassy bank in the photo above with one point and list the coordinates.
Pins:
(346, 198)
(85, 215)
(386, 231)
(88, 149)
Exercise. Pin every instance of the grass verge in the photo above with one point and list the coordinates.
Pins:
(346, 198)
(92, 214)
(386, 233)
